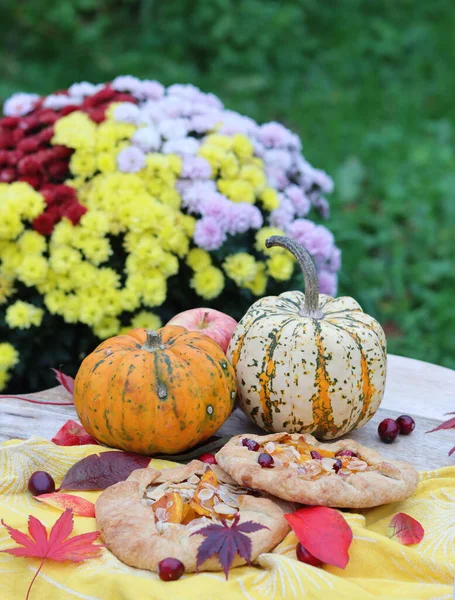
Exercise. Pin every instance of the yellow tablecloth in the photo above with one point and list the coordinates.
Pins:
(379, 568)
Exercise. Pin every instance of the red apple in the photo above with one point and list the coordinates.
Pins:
(213, 323)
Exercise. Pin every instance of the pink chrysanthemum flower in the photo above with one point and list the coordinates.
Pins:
(19, 104)
(130, 160)
(209, 234)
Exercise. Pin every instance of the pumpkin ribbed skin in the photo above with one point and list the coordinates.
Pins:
(160, 398)
(308, 363)
(303, 375)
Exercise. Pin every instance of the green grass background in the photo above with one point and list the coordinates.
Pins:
(369, 85)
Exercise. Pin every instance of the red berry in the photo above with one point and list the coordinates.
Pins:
(41, 482)
(265, 460)
(208, 458)
(388, 430)
(250, 444)
(304, 556)
(170, 569)
(337, 465)
(315, 455)
(346, 453)
(406, 424)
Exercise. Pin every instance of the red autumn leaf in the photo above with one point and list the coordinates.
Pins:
(79, 506)
(72, 434)
(56, 546)
(226, 542)
(405, 529)
(66, 380)
(99, 471)
(324, 532)
(449, 424)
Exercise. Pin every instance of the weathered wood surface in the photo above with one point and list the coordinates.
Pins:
(423, 390)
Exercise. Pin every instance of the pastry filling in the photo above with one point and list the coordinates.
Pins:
(309, 461)
(194, 502)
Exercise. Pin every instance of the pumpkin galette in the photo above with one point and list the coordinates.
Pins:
(153, 514)
(297, 468)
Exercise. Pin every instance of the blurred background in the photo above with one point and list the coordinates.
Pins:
(368, 85)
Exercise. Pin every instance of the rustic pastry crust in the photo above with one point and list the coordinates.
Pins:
(390, 481)
(128, 526)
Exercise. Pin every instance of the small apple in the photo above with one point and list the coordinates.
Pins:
(213, 323)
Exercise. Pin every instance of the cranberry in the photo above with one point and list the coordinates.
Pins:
(337, 465)
(170, 569)
(315, 454)
(304, 556)
(388, 430)
(250, 444)
(346, 453)
(208, 458)
(41, 482)
(406, 424)
(265, 460)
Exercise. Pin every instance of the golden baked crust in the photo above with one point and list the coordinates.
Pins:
(128, 525)
(384, 482)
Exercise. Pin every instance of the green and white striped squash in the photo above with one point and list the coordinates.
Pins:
(308, 363)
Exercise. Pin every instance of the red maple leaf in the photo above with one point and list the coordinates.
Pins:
(56, 546)
(324, 532)
(66, 380)
(226, 542)
(72, 434)
(449, 424)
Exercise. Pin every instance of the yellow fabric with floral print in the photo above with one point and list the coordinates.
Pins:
(379, 568)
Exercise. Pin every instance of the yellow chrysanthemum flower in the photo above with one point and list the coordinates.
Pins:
(198, 259)
(107, 327)
(255, 176)
(4, 378)
(169, 265)
(240, 267)
(32, 270)
(208, 283)
(71, 308)
(63, 233)
(6, 288)
(76, 130)
(31, 242)
(230, 166)
(242, 146)
(83, 163)
(63, 259)
(269, 198)
(55, 301)
(91, 311)
(97, 250)
(22, 315)
(9, 356)
(10, 224)
(130, 299)
(262, 235)
(146, 320)
(259, 284)
(237, 190)
(280, 267)
(84, 275)
(154, 289)
(222, 141)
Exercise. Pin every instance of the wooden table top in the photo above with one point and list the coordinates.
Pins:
(422, 390)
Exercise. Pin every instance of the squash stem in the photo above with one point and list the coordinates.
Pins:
(311, 305)
(152, 341)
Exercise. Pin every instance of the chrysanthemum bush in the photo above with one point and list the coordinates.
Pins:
(124, 203)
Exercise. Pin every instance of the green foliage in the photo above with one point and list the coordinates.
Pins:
(368, 85)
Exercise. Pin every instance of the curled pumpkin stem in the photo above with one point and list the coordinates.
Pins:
(311, 305)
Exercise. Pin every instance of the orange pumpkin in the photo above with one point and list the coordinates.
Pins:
(155, 392)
